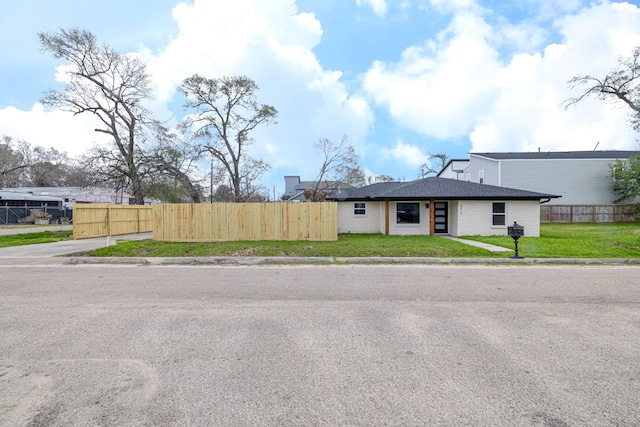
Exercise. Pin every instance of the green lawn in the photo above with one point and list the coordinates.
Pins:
(36, 237)
(609, 240)
(354, 245)
(616, 240)
(590, 240)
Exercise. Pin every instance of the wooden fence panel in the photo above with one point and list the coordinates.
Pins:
(589, 213)
(219, 222)
(97, 220)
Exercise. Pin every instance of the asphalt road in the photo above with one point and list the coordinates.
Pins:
(107, 345)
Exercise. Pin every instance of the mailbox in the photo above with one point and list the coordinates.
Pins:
(515, 231)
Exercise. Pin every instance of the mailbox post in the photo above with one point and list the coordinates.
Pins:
(515, 231)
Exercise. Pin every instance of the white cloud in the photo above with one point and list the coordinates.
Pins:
(408, 155)
(379, 6)
(526, 115)
(56, 129)
(271, 43)
(455, 85)
(437, 89)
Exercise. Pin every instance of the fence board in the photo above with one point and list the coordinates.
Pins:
(219, 222)
(97, 220)
(589, 213)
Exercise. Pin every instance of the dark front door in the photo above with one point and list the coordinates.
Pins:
(441, 214)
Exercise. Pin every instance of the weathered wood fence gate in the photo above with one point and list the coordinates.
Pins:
(97, 220)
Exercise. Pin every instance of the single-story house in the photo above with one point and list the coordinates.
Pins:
(438, 206)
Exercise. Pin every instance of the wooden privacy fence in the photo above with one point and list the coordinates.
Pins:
(219, 222)
(97, 220)
(589, 213)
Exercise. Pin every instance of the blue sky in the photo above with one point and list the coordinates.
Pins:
(400, 78)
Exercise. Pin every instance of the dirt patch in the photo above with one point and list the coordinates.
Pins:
(244, 252)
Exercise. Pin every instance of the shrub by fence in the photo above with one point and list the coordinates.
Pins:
(220, 222)
(589, 213)
(97, 220)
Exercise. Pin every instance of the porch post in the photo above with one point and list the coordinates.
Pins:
(386, 217)
(432, 217)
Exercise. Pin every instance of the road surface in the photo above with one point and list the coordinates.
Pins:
(109, 345)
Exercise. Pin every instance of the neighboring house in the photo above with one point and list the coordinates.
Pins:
(15, 206)
(71, 195)
(294, 188)
(438, 206)
(580, 177)
(454, 169)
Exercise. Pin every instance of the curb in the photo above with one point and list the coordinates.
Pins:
(238, 261)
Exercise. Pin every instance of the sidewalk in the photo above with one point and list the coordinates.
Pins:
(10, 231)
(66, 247)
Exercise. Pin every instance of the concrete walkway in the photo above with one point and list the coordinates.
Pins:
(487, 246)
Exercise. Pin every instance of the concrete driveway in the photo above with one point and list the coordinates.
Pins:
(67, 247)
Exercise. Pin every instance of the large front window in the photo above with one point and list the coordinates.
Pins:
(408, 213)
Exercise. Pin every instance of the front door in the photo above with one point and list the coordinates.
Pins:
(441, 215)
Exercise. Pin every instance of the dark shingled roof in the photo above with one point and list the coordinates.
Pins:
(546, 155)
(437, 188)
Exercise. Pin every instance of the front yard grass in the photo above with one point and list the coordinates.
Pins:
(609, 240)
(354, 245)
(585, 240)
(36, 237)
(590, 240)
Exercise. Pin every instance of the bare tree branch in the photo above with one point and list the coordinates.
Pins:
(225, 111)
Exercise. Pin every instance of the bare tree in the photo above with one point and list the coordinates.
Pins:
(339, 167)
(14, 161)
(619, 85)
(225, 111)
(434, 165)
(48, 167)
(176, 160)
(22, 164)
(381, 178)
(110, 86)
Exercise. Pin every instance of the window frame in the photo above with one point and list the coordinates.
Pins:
(405, 204)
(357, 209)
(495, 214)
(481, 176)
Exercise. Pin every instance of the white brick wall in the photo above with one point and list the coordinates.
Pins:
(466, 218)
(369, 223)
(475, 217)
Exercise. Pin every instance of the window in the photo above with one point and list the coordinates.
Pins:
(408, 213)
(499, 213)
(468, 177)
(481, 177)
(359, 209)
